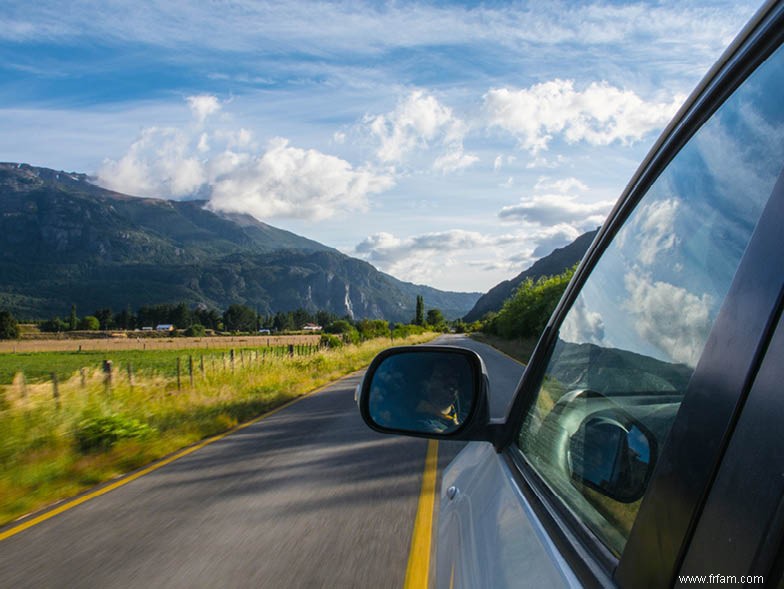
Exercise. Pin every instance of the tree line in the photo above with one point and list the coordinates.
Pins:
(236, 318)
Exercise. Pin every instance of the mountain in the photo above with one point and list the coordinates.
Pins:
(554, 263)
(64, 240)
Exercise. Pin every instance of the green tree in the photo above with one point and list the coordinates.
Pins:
(54, 325)
(526, 312)
(195, 330)
(89, 323)
(435, 318)
(239, 318)
(419, 319)
(9, 328)
(74, 320)
(105, 318)
(343, 327)
(181, 316)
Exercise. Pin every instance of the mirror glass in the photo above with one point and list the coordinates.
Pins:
(422, 392)
(612, 456)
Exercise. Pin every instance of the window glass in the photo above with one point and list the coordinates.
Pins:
(628, 346)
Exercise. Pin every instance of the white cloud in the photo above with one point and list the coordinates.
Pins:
(670, 317)
(555, 208)
(654, 227)
(599, 115)
(287, 181)
(226, 165)
(423, 258)
(418, 123)
(160, 163)
(203, 105)
(583, 326)
(453, 161)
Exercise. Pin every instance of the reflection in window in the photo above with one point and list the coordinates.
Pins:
(638, 327)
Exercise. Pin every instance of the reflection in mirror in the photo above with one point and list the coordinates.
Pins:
(611, 457)
(417, 392)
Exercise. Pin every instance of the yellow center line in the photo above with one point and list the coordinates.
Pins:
(418, 569)
(70, 504)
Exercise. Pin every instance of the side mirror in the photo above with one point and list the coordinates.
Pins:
(613, 454)
(430, 391)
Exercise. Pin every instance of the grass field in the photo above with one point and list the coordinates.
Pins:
(55, 445)
(38, 366)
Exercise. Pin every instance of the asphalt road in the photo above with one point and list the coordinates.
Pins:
(307, 497)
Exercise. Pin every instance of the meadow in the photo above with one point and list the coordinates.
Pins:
(60, 439)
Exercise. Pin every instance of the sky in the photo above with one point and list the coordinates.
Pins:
(447, 143)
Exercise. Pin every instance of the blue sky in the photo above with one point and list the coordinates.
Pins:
(447, 143)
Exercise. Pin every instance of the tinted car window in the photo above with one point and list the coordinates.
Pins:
(632, 339)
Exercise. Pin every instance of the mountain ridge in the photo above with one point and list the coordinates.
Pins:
(554, 263)
(65, 240)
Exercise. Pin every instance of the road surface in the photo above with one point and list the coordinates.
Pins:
(307, 497)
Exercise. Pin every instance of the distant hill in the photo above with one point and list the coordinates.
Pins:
(64, 240)
(554, 263)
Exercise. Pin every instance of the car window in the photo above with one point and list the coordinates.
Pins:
(630, 342)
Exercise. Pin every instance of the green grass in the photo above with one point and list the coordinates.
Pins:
(54, 448)
(38, 366)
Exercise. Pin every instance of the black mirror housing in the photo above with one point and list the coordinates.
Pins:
(426, 391)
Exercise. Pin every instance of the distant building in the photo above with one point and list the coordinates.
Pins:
(311, 327)
(164, 327)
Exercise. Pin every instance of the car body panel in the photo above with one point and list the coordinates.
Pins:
(488, 533)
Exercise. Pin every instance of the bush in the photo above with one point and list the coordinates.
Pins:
(89, 323)
(526, 312)
(347, 332)
(195, 330)
(331, 341)
(96, 431)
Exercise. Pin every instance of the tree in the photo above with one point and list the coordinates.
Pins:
(526, 312)
(74, 320)
(105, 318)
(239, 318)
(54, 325)
(89, 323)
(435, 318)
(9, 328)
(419, 319)
(181, 316)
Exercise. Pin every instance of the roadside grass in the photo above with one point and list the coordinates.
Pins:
(53, 448)
(518, 348)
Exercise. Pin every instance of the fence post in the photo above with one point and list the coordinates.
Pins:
(231, 357)
(83, 377)
(107, 376)
(55, 391)
(179, 385)
(201, 365)
(291, 350)
(190, 369)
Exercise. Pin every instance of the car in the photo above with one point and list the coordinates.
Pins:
(642, 447)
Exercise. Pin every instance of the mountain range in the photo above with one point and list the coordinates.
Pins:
(65, 240)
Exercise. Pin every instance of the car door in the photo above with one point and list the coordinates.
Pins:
(623, 416)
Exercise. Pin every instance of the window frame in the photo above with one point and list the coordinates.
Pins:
(644, 561)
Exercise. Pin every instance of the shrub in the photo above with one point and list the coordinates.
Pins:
(195, 330)
(97, 431)
(89, 323)
(331, 341)
(526, 312)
